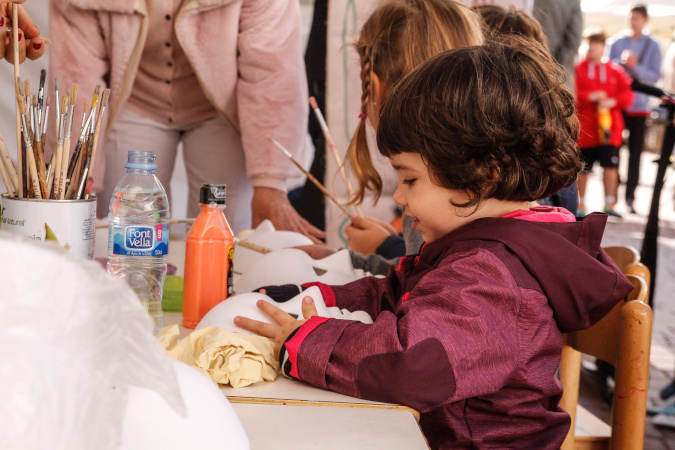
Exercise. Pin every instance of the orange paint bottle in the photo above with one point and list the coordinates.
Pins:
(209, 250)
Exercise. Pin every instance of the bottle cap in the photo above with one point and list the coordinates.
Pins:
(212, 193)
(140, 160)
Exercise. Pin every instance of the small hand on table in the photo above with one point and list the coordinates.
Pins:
(286, 323)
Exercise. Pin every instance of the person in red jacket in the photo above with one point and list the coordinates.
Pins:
(603, 91)
(469, 332)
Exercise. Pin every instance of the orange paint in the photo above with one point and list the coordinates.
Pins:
(209, 250)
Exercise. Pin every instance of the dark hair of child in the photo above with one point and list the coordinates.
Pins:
(500, 123)
(498, 20)
(595, 35)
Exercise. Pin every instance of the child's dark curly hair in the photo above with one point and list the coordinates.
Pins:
(494, 121)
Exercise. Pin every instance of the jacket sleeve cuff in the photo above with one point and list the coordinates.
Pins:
(288, 355)
(270, 182)
(326, 292)
(392, 247)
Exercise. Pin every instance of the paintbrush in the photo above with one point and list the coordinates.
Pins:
(8, 165)
(6, 178)
(63, 148)
(67, 132)
(309, 176)
(85, 152)
(41, 97)
(333, 150)
(99, 121)
(19, 150)
(39, 155)
(75, 159)
(29, 148)
(252, 246)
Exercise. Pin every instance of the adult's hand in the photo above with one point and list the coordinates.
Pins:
(273, 204)
(31, 45)
(629, 59)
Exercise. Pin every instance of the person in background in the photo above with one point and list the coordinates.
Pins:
(562, 23)
(668, 67)
(32, 47)
(603, 91)
(500, 21)
(218, 76)
(398, 36)
(469, 331)
(640, 56)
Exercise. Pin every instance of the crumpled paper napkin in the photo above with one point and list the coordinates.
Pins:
(227, 358)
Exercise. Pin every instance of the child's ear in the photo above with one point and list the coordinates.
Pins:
(378, 89)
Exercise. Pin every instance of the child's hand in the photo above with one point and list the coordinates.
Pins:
(316, 251)
(287, 323)
(597, 96)
(608, 103)
(365, 234)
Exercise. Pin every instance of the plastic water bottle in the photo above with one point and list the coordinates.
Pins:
(138, 232)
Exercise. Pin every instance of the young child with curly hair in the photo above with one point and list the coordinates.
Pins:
(469, 331)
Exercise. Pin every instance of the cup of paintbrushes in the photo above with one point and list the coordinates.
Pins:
(67, 223)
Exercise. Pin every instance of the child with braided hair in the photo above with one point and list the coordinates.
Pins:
(469, 331)
(397, 37)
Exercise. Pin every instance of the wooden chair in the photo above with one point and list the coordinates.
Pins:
(623, 339)
(623, 255)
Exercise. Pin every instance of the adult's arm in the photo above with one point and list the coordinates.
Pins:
(648, 70)
(272, 101)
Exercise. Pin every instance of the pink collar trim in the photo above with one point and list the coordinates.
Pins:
(543, 214)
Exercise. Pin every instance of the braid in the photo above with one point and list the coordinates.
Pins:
(358, 154)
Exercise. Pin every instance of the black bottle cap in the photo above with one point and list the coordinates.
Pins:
(212, 193)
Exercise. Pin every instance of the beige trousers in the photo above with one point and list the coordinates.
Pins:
(212, 151)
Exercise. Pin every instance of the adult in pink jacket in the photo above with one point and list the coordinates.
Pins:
(217, 75)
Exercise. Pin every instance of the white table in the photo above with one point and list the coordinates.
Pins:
(291, 414)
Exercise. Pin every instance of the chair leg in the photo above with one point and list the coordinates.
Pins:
(570, 368)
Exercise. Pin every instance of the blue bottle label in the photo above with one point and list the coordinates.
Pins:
(139, 240)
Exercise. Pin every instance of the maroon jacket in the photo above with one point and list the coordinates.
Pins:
(469, 332)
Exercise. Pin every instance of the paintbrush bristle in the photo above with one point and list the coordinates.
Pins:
(56, 84)
(33, 100)
(43, 78)
(97, 90)
(106, 97)
(22, 104)
(48, 99)
(280, 147)
(63, 104)
(74, 89)
(313, 104)
(94, 101)
(27, 82)
(19, 87)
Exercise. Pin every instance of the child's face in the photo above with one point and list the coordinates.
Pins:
(595, 51)
(426, 201)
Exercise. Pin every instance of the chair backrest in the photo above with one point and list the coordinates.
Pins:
(623, 339)
(623, 255)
